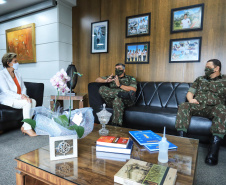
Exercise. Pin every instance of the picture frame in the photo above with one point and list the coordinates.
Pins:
(63, 147)
(138, 25)
(21, 40)
(137, 53)
(99, 37)
(185, 50)
(189, 18)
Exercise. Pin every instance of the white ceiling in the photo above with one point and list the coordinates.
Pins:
(14, 5)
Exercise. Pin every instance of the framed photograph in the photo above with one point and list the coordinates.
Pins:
(137, 53)
(185, 50)
(189, 18)
(99, 35)
(138, 25)
(21, 40)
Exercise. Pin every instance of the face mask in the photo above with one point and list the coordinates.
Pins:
(118, 72)
(15, 66)
(209, 71)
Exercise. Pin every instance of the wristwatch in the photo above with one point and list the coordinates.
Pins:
(119, 85)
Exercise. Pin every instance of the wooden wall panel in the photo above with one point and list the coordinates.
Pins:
(86, 63)
(159, 68)
(117, 9)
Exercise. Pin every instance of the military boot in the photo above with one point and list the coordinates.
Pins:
(127, 95)
(212, 156)
(181, 133)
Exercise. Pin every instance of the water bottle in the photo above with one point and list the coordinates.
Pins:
(163, 149)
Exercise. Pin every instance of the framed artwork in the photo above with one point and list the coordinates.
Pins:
(185, 50)
(138, 25)
(21, 40)
(189, 18)
(137, 53)
(99, 37)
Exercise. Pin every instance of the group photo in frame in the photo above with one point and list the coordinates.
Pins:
(138, 25)
(137, 53)
(189, 18)
(99, 37)
(21, 40)
(185, 50)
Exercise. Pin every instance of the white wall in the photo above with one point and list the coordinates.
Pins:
(53, 29)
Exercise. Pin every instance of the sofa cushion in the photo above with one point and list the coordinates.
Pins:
(138, 117)
(95, 99)
(10, 114)
(161, 94)
(145, 117)
(35, 91)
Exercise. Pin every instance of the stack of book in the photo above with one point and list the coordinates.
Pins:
(149, 140)
(114, 148)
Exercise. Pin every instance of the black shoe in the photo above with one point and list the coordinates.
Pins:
(212, 156)
(181, 133)
(132, 95)
(127, 95)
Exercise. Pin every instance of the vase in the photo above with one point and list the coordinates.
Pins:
(63, 147)
(70, 71)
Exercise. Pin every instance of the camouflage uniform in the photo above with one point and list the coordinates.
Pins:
(211, 95)
(110, 95)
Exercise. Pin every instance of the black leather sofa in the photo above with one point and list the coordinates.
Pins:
(10, 118)
(156, 106)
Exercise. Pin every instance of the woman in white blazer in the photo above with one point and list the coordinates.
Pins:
(13, 90)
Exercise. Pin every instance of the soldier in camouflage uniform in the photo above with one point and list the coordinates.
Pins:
(206, 98)
(120, 93)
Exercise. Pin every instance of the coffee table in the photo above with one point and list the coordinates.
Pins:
(36, 168)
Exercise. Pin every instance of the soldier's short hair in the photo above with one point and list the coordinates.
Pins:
(216, 63)
(120, 64)
(7, 58)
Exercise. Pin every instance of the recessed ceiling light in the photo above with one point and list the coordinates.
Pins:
(2, 1)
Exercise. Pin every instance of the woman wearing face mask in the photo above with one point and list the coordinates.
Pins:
(13, 90)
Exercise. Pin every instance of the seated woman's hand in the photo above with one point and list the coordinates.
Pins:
(24, 97)
(29, 100)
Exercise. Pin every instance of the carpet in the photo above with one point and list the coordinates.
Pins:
(14, 143)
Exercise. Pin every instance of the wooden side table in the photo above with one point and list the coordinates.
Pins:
(78, 97)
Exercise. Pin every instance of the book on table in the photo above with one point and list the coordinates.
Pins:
(127, 150)
(112, 156)
(138, 172)
(117, 142)
(149, 139)
(155, 147)
(145, 137)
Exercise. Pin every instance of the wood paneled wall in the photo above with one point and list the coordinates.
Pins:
(159, 69)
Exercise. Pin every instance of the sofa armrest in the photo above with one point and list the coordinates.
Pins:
(95, 98)
(35, 91)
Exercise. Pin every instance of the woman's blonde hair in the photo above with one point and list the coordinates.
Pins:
(7, 58)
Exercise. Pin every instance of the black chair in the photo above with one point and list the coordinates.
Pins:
(10, 118)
